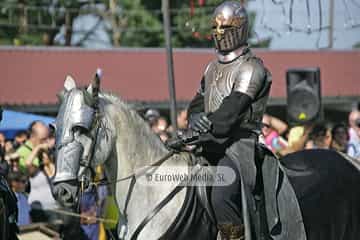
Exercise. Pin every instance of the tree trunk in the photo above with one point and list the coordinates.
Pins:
(116, 34)
(23, 26)
(68, 28)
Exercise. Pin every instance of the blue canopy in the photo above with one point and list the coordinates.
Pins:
(15, 121)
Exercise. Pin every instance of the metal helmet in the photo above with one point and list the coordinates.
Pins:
(230, 27)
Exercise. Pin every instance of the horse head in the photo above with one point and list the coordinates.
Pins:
(76, 134)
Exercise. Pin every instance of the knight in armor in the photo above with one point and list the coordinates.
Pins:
(227, 111)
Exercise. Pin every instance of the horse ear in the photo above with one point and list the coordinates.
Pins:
(69, 83)
(61, 96)
(52, 126)
(95, 84)
(90, 89)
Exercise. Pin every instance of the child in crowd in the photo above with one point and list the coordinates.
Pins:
(17, 182)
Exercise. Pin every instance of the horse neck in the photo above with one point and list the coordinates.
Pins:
(137, 146)
(135, 143)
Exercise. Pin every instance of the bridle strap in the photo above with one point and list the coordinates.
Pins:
(128, 195)
(152, 214)
(132, 185)
(134, 175)
(157, 209)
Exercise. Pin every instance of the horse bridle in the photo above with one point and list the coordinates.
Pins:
(154, 211)
(86, 183)
(133, 177)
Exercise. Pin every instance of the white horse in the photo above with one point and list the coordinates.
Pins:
(93, 129)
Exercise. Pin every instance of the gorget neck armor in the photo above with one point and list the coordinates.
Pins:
(231, 56)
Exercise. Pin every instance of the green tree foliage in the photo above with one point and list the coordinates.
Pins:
(131, 23)
(192, 27)
(14, 29)
(141, 28)
(36, 22)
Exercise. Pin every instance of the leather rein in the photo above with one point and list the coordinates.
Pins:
(158, 207)
(154, 211)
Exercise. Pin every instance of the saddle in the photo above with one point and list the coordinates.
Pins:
(203, 192)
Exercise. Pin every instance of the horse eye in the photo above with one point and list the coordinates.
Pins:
(52, 126)
(79, 129)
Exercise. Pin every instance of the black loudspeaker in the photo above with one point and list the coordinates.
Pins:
(303, 95)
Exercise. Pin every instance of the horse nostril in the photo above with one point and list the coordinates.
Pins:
(66, 194)
(63, 192)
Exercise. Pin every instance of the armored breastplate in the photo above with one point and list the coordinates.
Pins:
(220, 79)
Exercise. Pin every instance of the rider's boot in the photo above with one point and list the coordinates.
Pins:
(231, 231)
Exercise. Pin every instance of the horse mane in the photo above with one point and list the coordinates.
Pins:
(137, 131)
(115, 99)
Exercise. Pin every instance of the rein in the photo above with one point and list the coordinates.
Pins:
(158, 207)
(133, 175)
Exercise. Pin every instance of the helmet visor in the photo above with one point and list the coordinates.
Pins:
(229, 38)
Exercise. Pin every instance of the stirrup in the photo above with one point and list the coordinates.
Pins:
(231, 231)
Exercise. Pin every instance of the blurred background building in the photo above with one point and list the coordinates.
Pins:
(102, 33)
(31, 78)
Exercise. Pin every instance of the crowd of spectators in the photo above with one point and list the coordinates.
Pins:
(283, 139)
(27, 162)
(160, 125)
(343, 137)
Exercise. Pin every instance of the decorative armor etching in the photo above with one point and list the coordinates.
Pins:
(246, 75)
